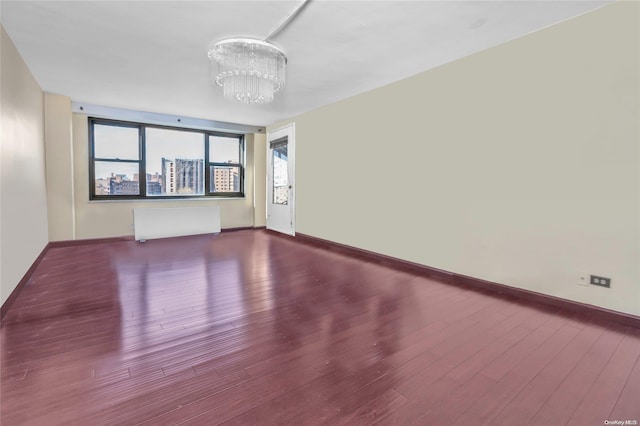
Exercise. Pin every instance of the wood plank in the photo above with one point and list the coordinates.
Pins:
(562, 402)
(375, 409)
(525, 405)
(602, 397)
(450, 407)
(628, 405)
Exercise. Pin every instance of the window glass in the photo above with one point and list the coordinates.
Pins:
(224, 179)
(175, 162)
(280, 173)
(224, 150)
(115, 142)
(116, 178)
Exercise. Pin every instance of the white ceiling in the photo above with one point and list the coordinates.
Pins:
(152, 55)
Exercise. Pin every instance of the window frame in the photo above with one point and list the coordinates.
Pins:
(142, 162)
(208, 164)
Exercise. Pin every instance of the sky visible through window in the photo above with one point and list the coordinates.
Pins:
(171, 144)
(122, 142)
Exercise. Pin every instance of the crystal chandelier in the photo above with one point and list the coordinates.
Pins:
(249, 70)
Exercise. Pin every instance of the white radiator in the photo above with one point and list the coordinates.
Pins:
(151, 223)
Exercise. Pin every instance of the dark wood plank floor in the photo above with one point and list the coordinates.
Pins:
(252, 328)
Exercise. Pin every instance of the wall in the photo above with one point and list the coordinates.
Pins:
(24, 199)
(518, 165)
(100, 219)
(59, 161)
(260, 179)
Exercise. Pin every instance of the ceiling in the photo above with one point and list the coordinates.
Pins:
(152, 55)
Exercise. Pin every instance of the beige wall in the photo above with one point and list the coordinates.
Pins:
(59, 166)
(260, 179)
(23, 193)
(100, 219)
(518, 165)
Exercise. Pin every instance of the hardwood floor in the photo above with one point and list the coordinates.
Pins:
(252, 328)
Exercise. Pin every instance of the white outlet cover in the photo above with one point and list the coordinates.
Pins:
(583, 279)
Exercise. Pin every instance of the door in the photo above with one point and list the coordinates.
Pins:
(280, 180)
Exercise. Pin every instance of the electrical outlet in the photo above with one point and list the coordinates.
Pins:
(600, 281)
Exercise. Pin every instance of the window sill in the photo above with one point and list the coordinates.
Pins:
(167, 200)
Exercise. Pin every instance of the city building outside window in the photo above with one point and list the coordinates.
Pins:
(136, 160)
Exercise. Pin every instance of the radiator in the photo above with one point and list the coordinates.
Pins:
(151, 223)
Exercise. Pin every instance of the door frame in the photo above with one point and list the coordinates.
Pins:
(289, 131)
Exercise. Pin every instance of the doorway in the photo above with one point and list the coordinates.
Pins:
(280, 180)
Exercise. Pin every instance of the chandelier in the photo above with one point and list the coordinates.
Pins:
(250, 70)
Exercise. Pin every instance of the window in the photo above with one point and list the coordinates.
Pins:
(174, 162)
(135, 160)
(225, 168)
(280, 173)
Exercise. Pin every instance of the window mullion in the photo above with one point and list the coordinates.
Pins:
(207, 167)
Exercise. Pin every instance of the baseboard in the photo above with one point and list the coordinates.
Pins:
(239, 228)
(377, 258)
(23, 282)
(84, 242)
(72, 243)
(593, 312)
